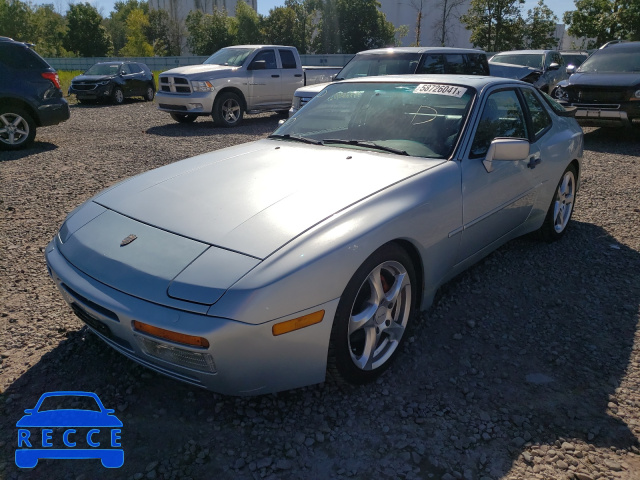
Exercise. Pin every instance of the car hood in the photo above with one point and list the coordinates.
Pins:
(604, 79)
(223, 211)
(92, 78)
(311, 89)
(200, 69)
(254, 198)
(507, 70)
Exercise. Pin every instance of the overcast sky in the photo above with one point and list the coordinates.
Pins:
(105, 6)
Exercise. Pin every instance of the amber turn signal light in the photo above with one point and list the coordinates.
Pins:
(297, 323)
(182, 338)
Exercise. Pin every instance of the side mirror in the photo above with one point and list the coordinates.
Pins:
(258, 65)
(554, 66)
(506, 150)
(571, 69)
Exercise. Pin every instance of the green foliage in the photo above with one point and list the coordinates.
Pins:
(350, 26)
(290, 25)
(600, 21)
(541, 27)
(86, 36)
(209, 32)
(137, 45)
(116, 25)
(16, 20)
(163, 33)
(248, 24)
(495, 25)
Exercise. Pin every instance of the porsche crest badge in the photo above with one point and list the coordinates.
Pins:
(127, 240)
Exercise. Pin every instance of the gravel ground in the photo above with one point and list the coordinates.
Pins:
(526, 367)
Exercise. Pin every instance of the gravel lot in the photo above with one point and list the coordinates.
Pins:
(526, 367)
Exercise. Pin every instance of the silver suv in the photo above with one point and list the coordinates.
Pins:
(401, 61)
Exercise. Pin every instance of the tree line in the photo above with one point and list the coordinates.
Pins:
(313, 26)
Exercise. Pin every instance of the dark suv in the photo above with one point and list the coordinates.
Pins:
(114, 81)
(30, 95)
(605, 89)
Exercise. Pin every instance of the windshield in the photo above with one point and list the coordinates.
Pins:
(422, 120)
(525, 59)
(233, 57)
(104, 69)
(574, 59)
(607, 61)
(371, 65)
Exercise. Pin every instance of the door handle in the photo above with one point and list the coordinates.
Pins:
(534, 160)
(298, 75)
(275, 76)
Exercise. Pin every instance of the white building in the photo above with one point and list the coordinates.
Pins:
(406, 12)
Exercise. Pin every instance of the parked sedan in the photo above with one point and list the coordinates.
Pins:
(606, 87)
(256, 268)
(542, 68)
(114, 81)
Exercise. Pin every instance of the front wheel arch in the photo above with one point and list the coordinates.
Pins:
(374, 316)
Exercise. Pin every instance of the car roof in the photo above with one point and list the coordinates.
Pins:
(530, 52)
(632, 46)
(475, 81)
(386, 51)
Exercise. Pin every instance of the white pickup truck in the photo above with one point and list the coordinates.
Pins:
(235, 80)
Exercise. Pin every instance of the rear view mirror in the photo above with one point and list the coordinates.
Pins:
(571, 69)
(506, 150)
(554, 66)
(258, 65)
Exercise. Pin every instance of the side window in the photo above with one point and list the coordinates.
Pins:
(269, 56)
(432, 64)
(540, 119)
(287, 58)
(454, 64)
(502, 116)
(124, 68)
(20, 57)
(477, 64)
(557, 58)
(135, 68)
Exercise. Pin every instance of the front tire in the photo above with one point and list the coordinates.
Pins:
(183, 117)
(117, 96)
(373, 316)
(17, 128)
(227, 110)
(561, 208)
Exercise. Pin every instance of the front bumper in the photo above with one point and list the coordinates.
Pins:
(100, 91)
(248, 359)
(196, 103)
(622, 115)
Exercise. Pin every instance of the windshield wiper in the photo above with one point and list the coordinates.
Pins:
(365, 143)
(297, 138)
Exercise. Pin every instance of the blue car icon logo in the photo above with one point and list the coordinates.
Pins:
(69, 425)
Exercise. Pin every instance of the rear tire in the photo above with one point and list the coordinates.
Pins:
(227, 110)
(373, 316)
(183, 117)
(561, 208)
(150, 94)
(17, 128)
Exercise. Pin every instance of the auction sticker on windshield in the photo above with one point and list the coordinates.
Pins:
(450, 90)
(69, 425)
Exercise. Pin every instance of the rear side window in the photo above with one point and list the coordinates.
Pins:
(477, 64)
(433, 63)
(135, 68)
(539, 117)
(455, 64)
(287, 58)
(20, 57)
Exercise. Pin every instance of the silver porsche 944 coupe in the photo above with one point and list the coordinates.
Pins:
(260, 267)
